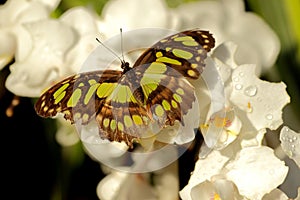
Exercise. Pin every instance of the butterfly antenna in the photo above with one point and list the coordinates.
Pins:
(110, 50)
(121, 34)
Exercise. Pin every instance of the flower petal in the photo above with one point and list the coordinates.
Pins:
(137, 15)
(51, 4)
(223, 126)
(226, 189)
(204, 170)
(108, 187)
(275, 194)
(123, 186)
(101, 150)
(80, 18)
(15, 12)
(84, 22)
(253, 171)
(51, 39)
(66, 134)
(7, 48)
(257, 43)
(262, 101)
(204, 190)
(166, 182)
(181, 134)
(290, 143)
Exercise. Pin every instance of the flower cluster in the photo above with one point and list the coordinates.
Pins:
(236, 107)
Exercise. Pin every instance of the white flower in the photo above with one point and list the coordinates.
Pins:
(217, 189)
(240, 158)
(250, 100)
(13, 14)
(229, 22)
(252, 170)
(57, 49)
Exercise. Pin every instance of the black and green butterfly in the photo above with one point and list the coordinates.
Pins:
(126, 102)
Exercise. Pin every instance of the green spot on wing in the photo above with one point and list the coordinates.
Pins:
(60, 90)
(159, 111)
(156, 68)
(90, 93)
(127, 121)
(113, 124)
(59, 97)
(177, 98)
(184, 38)
(105, 89)
(122, 94)
(137, 119)
(190, 43)
(166, 105)
(168, 60)
(74, 98)
(182, 54)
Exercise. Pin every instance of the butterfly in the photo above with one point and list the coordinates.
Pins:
(126, 102)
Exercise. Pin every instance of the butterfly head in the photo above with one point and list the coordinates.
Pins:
(125, 66)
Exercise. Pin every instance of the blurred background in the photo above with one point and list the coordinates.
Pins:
(35, 166)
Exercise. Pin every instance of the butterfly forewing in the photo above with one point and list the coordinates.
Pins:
(185, 51)
(75, 96)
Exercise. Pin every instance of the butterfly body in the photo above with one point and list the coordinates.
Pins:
(154, 92)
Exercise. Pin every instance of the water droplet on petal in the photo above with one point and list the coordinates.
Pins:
(294, 138)
(238, 86)
(236, 79)
(269, 116)
(250, 90)
(241, 74)
(286, 129)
